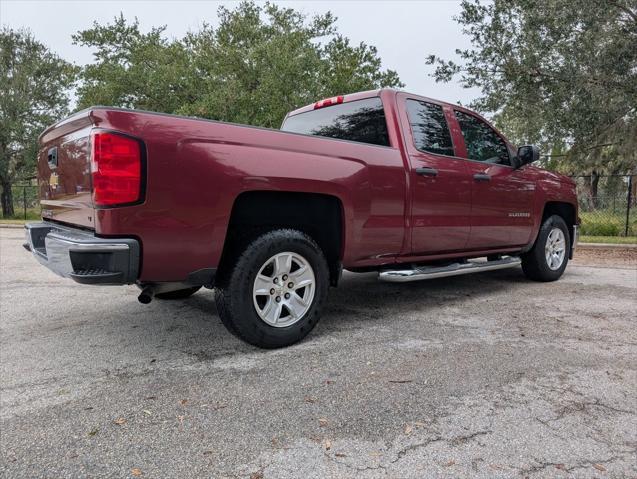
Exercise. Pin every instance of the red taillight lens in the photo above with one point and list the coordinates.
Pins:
(116, 168)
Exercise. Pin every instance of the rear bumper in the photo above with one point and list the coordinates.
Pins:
(82, 256)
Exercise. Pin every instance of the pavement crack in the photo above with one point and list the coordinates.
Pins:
(352, 466)
(462, 439)
(400, 454)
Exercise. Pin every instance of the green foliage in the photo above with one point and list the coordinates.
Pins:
(259, 63)
(560, 73)
(133, 69)
(606, 223)
(596, 224)
(35, 86)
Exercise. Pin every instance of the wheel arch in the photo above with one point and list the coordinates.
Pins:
(319, 215)
(567, 211)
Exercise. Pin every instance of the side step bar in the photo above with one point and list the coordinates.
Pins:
(429, 272)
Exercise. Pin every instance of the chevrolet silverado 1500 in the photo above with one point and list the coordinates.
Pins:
(384, 181)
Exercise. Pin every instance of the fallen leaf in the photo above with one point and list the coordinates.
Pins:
(147, 412)
(419, 424)
(135, 471)
(327, 444)
(119, 421)
(449, 463)
(309, 399)
(340, 454)
(329, 381)
(257, 475)
(92, 432)
(322, 422)
(218, 406)
(183, 402)
(599, 467)
(408, 429)
(560, 466)
(207, 453)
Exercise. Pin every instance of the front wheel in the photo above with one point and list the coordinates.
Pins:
(548, 258)
(274, 293)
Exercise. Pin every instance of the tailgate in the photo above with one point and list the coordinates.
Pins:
(64, 174)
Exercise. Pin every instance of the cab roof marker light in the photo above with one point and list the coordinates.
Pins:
(335, 100)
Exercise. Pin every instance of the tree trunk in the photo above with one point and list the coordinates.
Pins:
(6, 197)
(594, 188)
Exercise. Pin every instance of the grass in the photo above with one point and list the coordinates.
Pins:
(13, 221)
(608, 239)
(18, 218)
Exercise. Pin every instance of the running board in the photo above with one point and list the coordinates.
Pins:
(429, 272)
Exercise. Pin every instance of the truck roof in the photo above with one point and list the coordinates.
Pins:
(372, 93)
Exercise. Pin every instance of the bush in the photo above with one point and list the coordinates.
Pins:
(601, 223)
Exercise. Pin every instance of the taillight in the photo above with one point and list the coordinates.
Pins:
(116, 169)
(328, 102)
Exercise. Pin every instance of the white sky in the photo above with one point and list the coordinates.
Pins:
(404, 32)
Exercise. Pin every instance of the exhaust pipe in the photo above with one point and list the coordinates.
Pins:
(146, 296)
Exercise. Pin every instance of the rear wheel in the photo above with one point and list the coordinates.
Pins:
(179, 294)
(273, 295)
(548, 258)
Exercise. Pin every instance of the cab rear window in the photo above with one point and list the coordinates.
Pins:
(361, 120)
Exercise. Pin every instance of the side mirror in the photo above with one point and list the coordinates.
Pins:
(527, 154)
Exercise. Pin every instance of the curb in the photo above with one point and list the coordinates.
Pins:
(11, 226)
(606, 246)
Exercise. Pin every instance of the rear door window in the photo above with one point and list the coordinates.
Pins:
(429, 127)
(361, 120)
(482, 142)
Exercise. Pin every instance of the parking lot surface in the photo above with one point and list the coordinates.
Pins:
(486, 375)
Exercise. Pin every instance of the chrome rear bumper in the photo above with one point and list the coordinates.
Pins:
(82, 256)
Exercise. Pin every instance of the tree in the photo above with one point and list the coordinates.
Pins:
(259, 63)
(34, 87)
(561, 73)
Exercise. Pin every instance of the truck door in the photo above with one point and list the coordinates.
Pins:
(440, 185)
(501, 196)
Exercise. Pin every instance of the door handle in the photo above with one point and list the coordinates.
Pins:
(481, 177)
(426, 171)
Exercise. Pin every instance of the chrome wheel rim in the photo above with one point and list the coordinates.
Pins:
(284, 289)
(555, 249)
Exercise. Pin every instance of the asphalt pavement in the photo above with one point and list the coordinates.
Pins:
(487, 375)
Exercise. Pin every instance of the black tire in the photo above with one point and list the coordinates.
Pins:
(179, 294)
(534, 263)
(233, 293)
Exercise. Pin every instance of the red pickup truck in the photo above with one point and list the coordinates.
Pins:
(384, 181)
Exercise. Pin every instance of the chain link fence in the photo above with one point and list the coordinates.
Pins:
(26, 204)
(607, 204)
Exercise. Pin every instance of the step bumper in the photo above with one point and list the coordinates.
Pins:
(82, 256)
